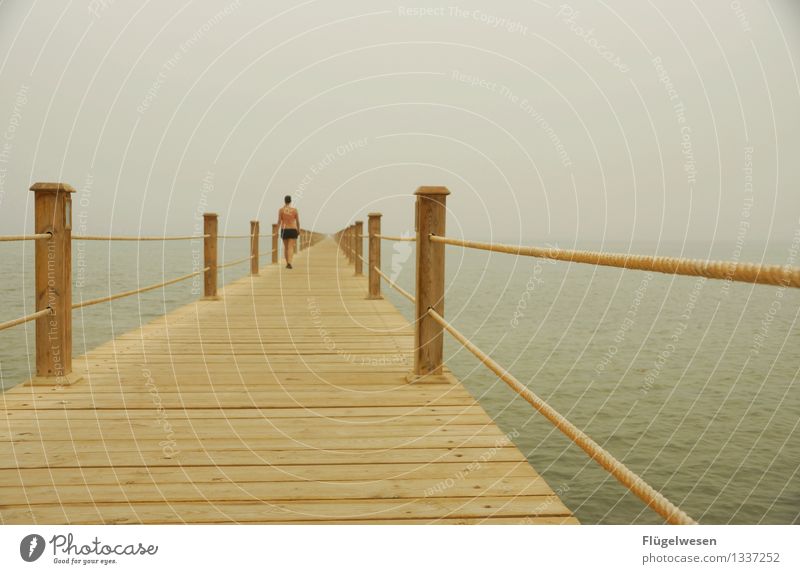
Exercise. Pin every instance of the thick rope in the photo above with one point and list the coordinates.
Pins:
(787, 276)
(234, 236)
(25, 319)
(135, 237)
(402, 291)
(622, 473)
(395, 238)
(25, 237)
(135, 291)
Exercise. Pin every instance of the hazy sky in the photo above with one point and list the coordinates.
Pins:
(628, 120)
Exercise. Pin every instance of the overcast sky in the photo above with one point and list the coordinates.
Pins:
(627, 120)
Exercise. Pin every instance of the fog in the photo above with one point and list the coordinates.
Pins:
(628, 120)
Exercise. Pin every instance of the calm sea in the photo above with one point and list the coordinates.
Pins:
(693, 384)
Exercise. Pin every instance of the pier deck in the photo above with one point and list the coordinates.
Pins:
(283, 401)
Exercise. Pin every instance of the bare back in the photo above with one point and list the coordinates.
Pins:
(288, 217)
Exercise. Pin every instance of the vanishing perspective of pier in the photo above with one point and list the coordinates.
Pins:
(287, 396)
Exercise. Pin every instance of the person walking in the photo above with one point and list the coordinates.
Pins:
(289, 225)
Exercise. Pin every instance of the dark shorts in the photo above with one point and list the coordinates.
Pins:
(289, 234)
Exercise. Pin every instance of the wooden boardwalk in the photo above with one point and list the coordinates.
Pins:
(284, 401)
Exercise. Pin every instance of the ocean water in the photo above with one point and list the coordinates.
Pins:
(693, 384)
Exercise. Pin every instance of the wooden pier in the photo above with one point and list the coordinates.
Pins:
(292, 395)
(285, 400)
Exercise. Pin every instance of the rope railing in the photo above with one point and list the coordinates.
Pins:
(785, 276)
(633, 482)
(137, 237)
(53, 269)
(395, 238)
(397, 287)
(25, 319)
(430, 214)
(26, 237)
(108, 298)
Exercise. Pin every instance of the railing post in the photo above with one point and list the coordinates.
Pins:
(53, 271)
(210, 255)
(374, 229)
(351, 242)
(274, 242)
(358, 233)
(428, 337)
(254, 230)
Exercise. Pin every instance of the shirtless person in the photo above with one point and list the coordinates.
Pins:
(289, 223)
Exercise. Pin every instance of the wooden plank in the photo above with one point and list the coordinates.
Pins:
(260, 473)
(267, 511)
(229, 457)
(469, 414)
(274, 491)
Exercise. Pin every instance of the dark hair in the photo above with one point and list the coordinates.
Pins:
(287, 199)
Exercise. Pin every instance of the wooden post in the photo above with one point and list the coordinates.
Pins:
(210, 255)
(374, 229)
(53, 279)
(351, 242)
(274, 242)
(358, 233)
(428, 336)
(254, 227)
